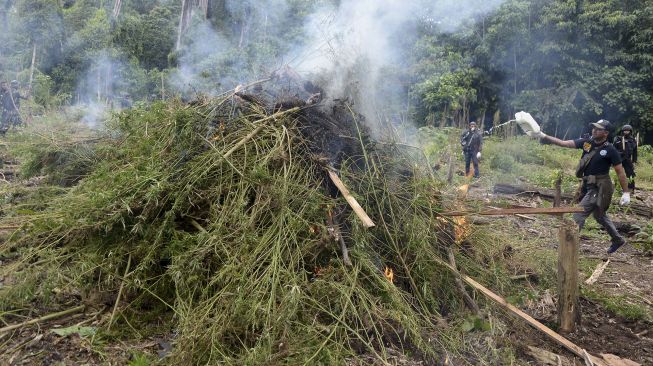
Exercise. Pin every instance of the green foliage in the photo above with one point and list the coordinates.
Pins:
(620, 305)
(502, 162)
(139, 359)
(148, 37)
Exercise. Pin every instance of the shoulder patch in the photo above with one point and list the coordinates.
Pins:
(587, 146)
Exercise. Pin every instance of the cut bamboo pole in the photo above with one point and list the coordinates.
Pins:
(358, 210)
(42, 319)
(587, 358)
(514, 211)
(578, 351)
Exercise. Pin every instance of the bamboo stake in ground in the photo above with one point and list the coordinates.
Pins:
(42, 319)
(568, 313)
(450, 169)
(597, 272)
(358, 210)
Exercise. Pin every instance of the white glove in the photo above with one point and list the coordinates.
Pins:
(478, 155)
(625, 199)
(529, 125)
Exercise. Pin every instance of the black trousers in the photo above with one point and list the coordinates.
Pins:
(470, 157)
(629, 168)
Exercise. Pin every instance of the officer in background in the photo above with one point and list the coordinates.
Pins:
(4, 123)
(627, 147)
(10, 105)
(472, 143)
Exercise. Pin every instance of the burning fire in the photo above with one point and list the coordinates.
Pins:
(389, 274)
(462, 190)
(461, 228)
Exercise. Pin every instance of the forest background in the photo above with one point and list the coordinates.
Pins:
(568, 62)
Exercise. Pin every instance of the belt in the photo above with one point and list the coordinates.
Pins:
(592, 179)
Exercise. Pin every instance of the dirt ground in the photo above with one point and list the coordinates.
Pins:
(628, 277)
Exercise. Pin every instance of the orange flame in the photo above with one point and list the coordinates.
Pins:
(461, 228)
(462, 190)
(389, 274)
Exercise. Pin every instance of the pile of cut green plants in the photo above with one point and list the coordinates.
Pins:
(218, 221)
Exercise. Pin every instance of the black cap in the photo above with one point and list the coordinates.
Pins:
(627, 128)
(602, 124)
(472, 123)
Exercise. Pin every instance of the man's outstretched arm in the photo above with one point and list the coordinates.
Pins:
(556, 141)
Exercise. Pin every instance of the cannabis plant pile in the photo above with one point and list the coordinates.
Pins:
(215, 217)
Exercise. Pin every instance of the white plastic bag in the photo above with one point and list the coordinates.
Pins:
(528, 124)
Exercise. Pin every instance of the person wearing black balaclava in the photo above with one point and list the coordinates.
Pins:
(626, 145)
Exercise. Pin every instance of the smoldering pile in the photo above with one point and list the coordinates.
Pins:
(221, 212)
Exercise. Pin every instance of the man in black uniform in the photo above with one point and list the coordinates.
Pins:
(594, 168)
(4, 123)
(11, 104)
(627, 147)
(472, 142)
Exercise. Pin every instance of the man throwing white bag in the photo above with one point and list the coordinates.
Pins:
(594, 169)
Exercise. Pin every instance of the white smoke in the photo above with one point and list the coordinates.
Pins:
(104, 88)
(202, 55)
(211, 62)
(358, 46)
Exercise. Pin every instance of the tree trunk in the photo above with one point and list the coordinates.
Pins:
(514, 59)
(98, 85)
(116, 8)
(244, 29)
(107, 83)
(483, 119)
(31, 68)
(443, 121)
(184, 20)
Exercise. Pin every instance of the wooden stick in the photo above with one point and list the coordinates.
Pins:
(345, 251)
(122, 285)
(597, 272)
(358, 210)
(335, 230)
(529, 319)
(587, 358)
(514, 211)
(42, 319)
(197, 226)
(471, 304)
(518, 215)
(557, 198)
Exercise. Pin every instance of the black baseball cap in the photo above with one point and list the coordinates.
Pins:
(602, 124)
